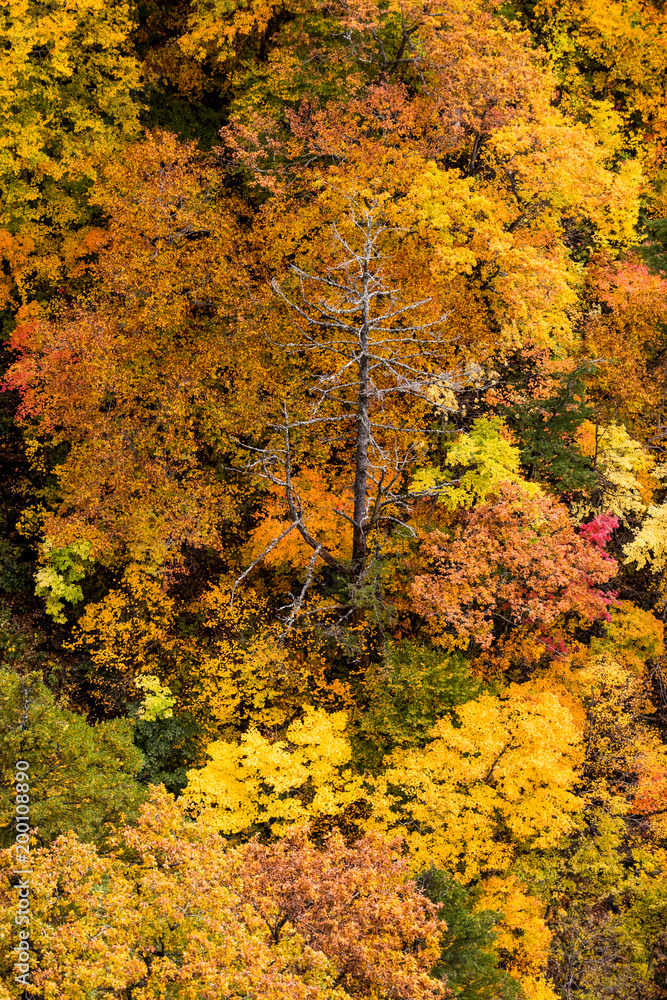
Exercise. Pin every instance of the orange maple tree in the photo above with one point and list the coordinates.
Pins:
(514, 561)
(356, 904)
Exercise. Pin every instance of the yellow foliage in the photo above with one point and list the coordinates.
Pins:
(125, 630)
(125, 634)
(469, 219)
(442, 399)
(649, 546)
(537, 988)
(628, 480)
(259, 783)
(158, 700)
(521, 935)
(488, 458)
(477, 794)
(226, 665)
(562, 681)
(528, 157)
(633, 636)
(68, 86)
(491, 459)
(621, 461)
(57, 579)
(607, 683)
(612, 48)
(232, 667)
(618, 740)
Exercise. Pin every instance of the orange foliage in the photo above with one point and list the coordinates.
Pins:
(355, 904)
(517, 560)
(168, 911)
(624, 329)
(125, 377)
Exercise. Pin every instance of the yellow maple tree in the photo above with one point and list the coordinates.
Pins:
(500, 781)
(260, 784)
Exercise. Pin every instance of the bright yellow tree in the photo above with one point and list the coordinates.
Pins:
(270, 785)
(500, 783)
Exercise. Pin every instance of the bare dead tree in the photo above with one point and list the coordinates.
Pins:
(365, 346)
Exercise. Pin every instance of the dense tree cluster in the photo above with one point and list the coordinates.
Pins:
(333, 545)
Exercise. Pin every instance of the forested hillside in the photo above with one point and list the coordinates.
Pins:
(333, 545)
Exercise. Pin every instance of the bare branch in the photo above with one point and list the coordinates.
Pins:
(296, 608)
(248, 571)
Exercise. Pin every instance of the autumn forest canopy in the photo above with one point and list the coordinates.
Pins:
(333, 542)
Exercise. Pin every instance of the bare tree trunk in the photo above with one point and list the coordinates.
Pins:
(371, 346)
(363, 435)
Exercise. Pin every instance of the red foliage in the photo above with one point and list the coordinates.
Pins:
(599, 530)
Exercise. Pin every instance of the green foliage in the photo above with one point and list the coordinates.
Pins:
(645, 927)
(547, 427)
(158, 702)
(468, 960)
(190, 120)
(609, 907)
(82, 776)
(170, 747)
(490, 457)
(16, 558)
(413, 688)
(203, 435)
(482, 459)
(13, 643)
(654, 250)
(633, 635)
(57, 580)
(15, 571)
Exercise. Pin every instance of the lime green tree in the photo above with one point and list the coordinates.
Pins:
(82, 776)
